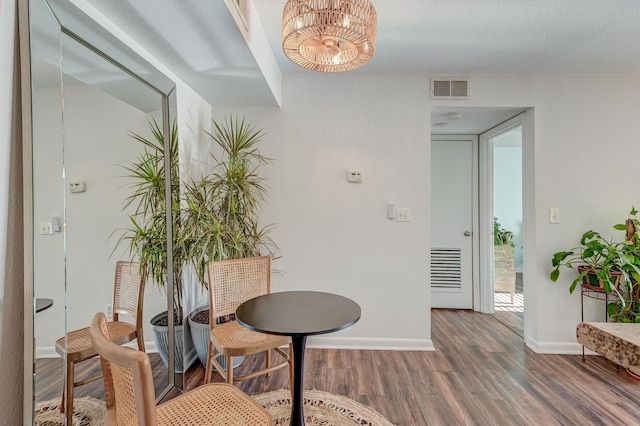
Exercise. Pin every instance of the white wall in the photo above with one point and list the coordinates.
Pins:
(333, 235)
(96, 145)
(329, 124)
(587, 148)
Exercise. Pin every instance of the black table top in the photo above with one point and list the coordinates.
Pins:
(298, 313)
(42, 304)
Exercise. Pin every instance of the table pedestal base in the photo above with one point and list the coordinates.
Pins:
(297, 409)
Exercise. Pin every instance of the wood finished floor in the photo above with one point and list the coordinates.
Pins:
(480, 374)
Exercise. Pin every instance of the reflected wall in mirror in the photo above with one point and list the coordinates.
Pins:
(84, 113)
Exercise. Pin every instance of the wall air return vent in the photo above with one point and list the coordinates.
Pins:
(446, 270)
(449, 88)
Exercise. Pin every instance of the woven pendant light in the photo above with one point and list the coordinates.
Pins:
(329, 35)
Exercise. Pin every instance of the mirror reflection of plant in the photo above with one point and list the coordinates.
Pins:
(220, 217)
(147, 233)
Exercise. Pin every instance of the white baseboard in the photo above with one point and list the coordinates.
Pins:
(50, 351)
(317, 342)
(364, 343)
(557, 348)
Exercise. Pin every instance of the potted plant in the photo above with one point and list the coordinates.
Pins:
(504, 267)
(627, 308)
(147, 233)
(220, 217)
(604, 265)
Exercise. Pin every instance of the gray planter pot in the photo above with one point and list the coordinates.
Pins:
(161, 339)
(200, 336)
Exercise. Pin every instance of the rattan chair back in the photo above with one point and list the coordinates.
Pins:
(231, 283)
(234, 281)
(75, 346)
(130, 393)
(128, 292)
(128, 379)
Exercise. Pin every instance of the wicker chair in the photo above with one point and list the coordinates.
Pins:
(130, 394)
(76, 346)
(232, 282)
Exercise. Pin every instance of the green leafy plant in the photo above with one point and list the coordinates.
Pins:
(605, 260)
(146, 234)
(500, 235)
(627, 308)
(215, 218)
(221, 217)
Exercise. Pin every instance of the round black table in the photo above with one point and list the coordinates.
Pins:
(298, 314)
(42, 304)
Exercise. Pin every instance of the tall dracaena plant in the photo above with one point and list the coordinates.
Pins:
(220, 219)
(147, 232)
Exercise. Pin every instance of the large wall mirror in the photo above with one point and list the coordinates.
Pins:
(90, 93)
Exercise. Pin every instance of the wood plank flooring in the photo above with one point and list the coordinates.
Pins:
(480, 374)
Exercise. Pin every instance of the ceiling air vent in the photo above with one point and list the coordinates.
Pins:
(449, 88)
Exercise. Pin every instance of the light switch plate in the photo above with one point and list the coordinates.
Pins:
(403, 214)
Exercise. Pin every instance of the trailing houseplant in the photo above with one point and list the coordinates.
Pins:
(627, 308)
(608, 265)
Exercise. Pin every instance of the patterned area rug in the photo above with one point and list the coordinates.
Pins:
(320, 408)
(86, 412)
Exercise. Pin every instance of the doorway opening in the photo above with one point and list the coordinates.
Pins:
(503, 145)
(463, 155)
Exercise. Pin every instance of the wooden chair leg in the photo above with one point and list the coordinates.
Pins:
(208, 369)
(69, 391)
(229, 370)
(140, 343)
(63, 397)
(267, 357)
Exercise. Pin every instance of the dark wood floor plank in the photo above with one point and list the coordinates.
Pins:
(480, 374)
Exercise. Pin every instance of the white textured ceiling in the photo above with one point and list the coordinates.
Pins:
(197, 40)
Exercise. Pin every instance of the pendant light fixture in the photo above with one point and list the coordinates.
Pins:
(329, 35)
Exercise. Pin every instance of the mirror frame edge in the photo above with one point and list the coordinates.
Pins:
(28, 208)
(27, 189)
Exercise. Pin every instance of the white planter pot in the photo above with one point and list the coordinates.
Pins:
(161, 339)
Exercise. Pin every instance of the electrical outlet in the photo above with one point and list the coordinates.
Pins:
(354, 176)
(108, 311)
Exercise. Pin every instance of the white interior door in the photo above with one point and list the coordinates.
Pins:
(453, 202)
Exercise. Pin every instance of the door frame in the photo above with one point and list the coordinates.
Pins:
(484, 287)
(475, 203)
